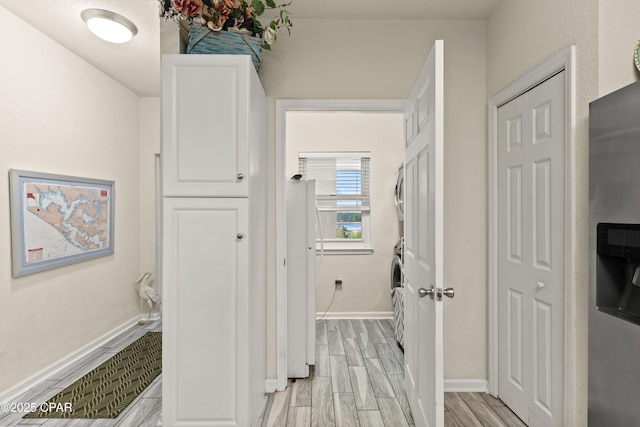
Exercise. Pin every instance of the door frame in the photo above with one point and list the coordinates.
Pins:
(282, 107)
(564, 60)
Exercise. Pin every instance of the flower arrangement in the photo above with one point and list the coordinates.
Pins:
(238, 16)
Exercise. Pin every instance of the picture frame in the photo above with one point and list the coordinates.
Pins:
(59, 220)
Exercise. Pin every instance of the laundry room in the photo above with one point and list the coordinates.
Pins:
(357, 248)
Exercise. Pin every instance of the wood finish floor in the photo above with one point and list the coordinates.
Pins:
(144, 411)
(357, 381)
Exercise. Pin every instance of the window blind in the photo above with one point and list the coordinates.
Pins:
(342, 179)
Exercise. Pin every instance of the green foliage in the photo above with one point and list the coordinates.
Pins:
(349, 216)
(343, 233)
(258, 6)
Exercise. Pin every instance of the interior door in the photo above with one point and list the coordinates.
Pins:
(423, 242)
(531, 215)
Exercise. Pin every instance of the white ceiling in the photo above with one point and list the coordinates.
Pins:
(137, 64)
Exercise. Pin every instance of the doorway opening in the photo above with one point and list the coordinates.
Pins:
(315, 117)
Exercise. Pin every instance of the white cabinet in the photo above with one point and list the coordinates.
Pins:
(214, 241)
(206, 128)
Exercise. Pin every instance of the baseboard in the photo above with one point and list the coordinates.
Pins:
(14, 392)
(466, 386)
(271, 386)
(332, 315)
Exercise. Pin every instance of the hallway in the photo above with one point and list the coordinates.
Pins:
(357, 382)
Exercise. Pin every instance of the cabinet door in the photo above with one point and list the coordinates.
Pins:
(205, 312)
(205, 125)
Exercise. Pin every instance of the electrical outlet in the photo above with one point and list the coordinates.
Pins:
(338, 282)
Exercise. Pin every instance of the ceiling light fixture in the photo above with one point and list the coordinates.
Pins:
(109, 26)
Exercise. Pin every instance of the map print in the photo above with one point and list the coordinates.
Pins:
(62, 220)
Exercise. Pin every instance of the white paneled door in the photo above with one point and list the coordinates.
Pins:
(531, 228)
(423, 243)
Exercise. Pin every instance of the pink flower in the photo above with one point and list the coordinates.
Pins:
(188, 7)
(221, 10)
(232, 4)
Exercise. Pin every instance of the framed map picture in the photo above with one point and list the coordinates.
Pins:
(58, 220)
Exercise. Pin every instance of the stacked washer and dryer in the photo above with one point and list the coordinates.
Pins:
(397, 264)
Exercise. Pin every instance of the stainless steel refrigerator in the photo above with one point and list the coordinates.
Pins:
(614, 264)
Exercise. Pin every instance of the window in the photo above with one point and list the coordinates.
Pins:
(342, 196)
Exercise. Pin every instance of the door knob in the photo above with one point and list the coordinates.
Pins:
(422, 292)
(240, 236)
(449, 292)
(240, 177)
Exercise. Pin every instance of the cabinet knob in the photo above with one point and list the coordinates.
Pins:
(240, 236)
(240, 177)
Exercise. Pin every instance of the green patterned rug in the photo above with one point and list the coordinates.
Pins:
(111, 387)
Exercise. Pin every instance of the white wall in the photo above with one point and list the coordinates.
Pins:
(342, 59)
(619, 22)
(59, 114)
(149, 145)
(366, 278)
